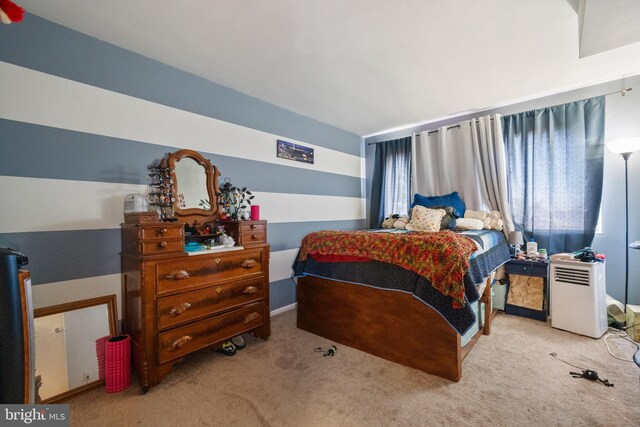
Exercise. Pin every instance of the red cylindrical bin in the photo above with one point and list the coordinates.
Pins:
(255, 212)
(117, 363)
(100, 355)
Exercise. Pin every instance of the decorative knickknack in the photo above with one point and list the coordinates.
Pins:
(160, 196)
(234, 200)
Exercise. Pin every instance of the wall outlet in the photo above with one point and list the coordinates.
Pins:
(87, 376)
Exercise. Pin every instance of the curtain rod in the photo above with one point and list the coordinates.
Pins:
(622, 92)
(429, 132)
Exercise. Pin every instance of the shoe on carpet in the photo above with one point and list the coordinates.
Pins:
(238, 341)
(228, 349)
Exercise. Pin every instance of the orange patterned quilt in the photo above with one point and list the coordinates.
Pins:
(442, 257)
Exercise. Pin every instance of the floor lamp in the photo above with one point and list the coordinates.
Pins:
(625, 147)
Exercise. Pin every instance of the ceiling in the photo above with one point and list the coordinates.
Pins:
(606, 25)
(367, 66)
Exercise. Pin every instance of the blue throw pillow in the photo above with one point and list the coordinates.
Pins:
(452, 200)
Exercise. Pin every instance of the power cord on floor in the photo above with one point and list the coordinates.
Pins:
(636, 356)
(588, 374)
(555, 355)
(623, 335)
(625, 327)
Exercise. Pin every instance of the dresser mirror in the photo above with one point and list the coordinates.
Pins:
(67, 347)
(195, 181)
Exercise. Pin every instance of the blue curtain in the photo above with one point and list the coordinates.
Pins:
(391, 183)
(555, 159)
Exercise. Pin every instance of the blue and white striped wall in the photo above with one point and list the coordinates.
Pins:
(81, 119)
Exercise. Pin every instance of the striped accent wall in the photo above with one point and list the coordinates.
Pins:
(81, 119)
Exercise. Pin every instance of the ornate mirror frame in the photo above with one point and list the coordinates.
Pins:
(109, 301)
(212, 175)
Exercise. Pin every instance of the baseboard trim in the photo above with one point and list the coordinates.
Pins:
(283, 309)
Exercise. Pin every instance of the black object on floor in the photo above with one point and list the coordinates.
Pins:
(586, 373)
(330, 352)
(228, 349)
(591, 376)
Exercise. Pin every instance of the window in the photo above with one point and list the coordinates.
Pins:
(391, 186)
(397, 183)
(555, 159)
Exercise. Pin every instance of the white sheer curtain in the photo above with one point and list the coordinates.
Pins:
(491, 164)
(468, 158)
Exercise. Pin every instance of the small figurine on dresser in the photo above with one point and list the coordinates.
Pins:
(226, 240)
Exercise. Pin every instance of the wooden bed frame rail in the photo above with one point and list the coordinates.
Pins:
(390, 324)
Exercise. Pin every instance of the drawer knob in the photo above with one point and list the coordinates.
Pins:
(162, 244)
(219, 289)
(218, 260)
(162, 230)
(250, 290)
(180, 342)
(253, 226)
(254, 237)
(249, 263)
(178, 275)
(251, 317)
(179, 309)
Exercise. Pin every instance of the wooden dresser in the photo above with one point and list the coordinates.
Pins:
(245, 233)
(175, 304)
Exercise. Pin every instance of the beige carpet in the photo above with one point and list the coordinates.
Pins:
(508, 379)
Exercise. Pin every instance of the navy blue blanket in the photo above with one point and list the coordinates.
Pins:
(493, 251)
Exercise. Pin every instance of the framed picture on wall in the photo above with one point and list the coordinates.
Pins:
(299, 153)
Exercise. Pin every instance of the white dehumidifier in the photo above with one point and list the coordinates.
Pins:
(578, 293)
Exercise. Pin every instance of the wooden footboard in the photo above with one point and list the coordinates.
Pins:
(390, 324)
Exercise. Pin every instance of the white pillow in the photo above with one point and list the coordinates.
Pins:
(481, 215)
(469, 224)
(425, 219)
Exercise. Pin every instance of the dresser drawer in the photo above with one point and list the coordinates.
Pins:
(161, 246)
(253, 233)
(161, 232)
(185, 307)
(201, 270)
(181, 341)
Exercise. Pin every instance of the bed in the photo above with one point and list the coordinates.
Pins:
(404, 296)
